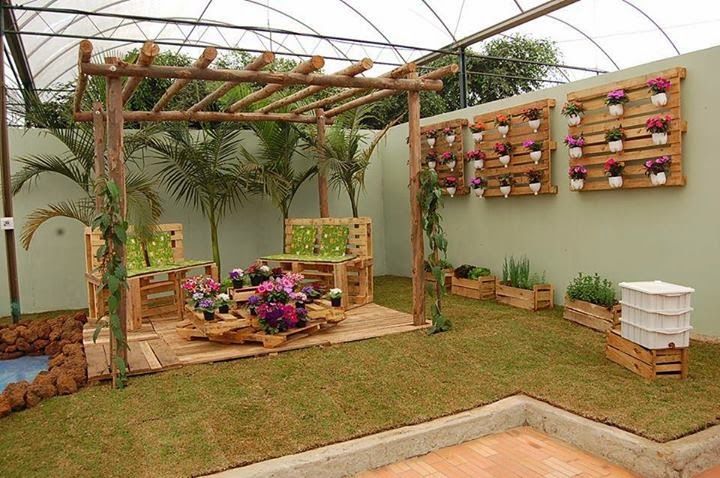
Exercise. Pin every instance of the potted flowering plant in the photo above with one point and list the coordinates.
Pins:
(335, 296)
(613, 171)
(614, 138)
(658, 169)
(478, 185)
(534, 180)
(506, 181)
(222, 303)
(300, 299)
(311, 293)
(451, 185)
(503, 150)
(573, 111)
(532, 115)
(448, 157)
(615, 101)
(430, 136)
(503, 124)
(207, 307)
(577, 176)
(275, 317)
(431, 159)
(659, 126)
(258, 274)
(477, 157)
(477, 129)
(658, 87)
(254, 302)
(200, 287)
(535, 148)
(449, 135)
(237, 276)
(575, 144)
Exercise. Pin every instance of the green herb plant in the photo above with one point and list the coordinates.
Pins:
(516, 273)
(592, 288)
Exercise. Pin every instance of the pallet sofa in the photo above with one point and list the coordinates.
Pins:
(334, 251)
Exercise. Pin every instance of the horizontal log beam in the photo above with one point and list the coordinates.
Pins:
(257, 64)
(353, 70)
(203, 61)
(281, 78)
(199, 116)
(308, 66)
(84, 54)
(148, 53)
(398, 72)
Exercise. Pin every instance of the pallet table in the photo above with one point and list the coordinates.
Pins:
(647, 363)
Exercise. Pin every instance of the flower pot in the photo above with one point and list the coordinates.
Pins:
(659, 99)
(479, 163)
(575, 152)
(503, 130)
(255, 280)
(577, 184)
(615, 146)
(336, 301)
(535, 188)
(432, 164)
(237, 284)
(450, 138)
(224, 309)
(431, 142)
(451, 164)
(573, 120)
(658, 179)
(208, 315)
(616, 110)
(299, 304)
(659, 138)
(451, 191)
(504, 159)
(534, 124)
(479, 192)
(505, 190)
(535, 156)
(478, 136)
(615, 181)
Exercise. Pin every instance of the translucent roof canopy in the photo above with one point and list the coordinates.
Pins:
(599, 34)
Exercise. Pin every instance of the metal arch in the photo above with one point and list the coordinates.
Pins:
(202, 14)
(374, 27)
(432, 10)
(642, 12)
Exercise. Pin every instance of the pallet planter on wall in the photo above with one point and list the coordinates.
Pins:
(520, 161)
(540, 297)
(480, 288)
(650, 364)
(441, 146)
(591, 315)
(638, 147)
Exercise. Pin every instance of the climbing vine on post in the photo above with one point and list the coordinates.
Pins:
(431, 201)
(113, 227)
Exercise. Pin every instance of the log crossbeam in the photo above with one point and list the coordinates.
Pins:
(147, 55)
(84, 54)
(203, 61)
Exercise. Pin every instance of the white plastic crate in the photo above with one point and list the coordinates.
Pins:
(656, 319)
(656, 295)
(655, 338)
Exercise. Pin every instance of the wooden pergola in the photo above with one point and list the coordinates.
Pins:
(122, 79)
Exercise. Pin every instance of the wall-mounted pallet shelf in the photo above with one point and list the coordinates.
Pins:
(638, 146)
(520, 162)
(441, 146)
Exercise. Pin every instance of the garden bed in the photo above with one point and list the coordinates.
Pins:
(480, 288)
(591, 315)
(430, 279)
(540, 297)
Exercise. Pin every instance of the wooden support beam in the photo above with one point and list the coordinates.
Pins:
(322, 165)
(84, 54)
(398, 72)
(209, 116)
(148, 53)
(416, 229)
(308, 66)
(256, 65)
(203, 61)
(378, 95)
(355, 69)
(99, 136)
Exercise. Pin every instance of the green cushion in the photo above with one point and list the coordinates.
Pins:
(309, 258)
(164, 268)
(333, 240)
(303, 240)
(160, 249)
(135, 258)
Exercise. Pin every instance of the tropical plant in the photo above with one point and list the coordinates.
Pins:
(593, 289)
(516, 273)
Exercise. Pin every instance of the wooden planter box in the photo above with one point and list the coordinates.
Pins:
(430, 279)
(590, 315)
(481, 288)
(541, 297)
(650, 364)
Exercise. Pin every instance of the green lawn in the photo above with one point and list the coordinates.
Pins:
(204, 418)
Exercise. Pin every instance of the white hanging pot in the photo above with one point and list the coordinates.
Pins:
(535, 187)
(431, 142)
(432, 164)
(451, 191)
(616, 110)
(658, 179)
(504, 160)
(478, 136)
(535, 156)
(615, 146)
(659, 99)
(534, 124)
(479, 192)
(451, 164)
(503, 130)
(659, 138)
(479, 163)
(573, 120)
(450, 138)
(575, 152)
(615, 181)
(505, 190)
(577, 184)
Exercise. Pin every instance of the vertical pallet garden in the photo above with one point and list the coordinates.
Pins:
(441, 146)
(520, 161)
(638, 146)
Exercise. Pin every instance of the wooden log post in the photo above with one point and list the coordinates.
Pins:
(147, 55)
(322, 164)
(203, 61)
(84, 54)
(416, 230)
(99, 136)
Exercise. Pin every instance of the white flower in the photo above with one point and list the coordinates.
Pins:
(223, 297)
(335, 291)
(198, 295)
(264, 269)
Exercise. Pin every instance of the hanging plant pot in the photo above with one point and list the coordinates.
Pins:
(505, 190)
(616, 110)
(479, 192)
(577, 184)
(615, 181)
(575, 152)
(431, 142)
(451, 191)
(504, 160)
(659, 99)
(503, 130)
(658, 179)
(535, 188)
(535, 156)
(451, 164)
(450, 138)
(615, 146)
(573, 120)
(659, 138)
(534, 124)
(432, 164)
(478, 136)
(479, 163)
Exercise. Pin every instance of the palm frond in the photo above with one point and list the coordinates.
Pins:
(38, 164)
(81, 210)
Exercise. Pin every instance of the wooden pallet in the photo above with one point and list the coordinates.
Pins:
(196, 327)
(441, 146)
(540, 297)
(481, 288)
(650, 364)
(271, 341)
(242, 295)
(323, 309)
(590, 315)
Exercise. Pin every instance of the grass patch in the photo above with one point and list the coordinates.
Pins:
(205, 418)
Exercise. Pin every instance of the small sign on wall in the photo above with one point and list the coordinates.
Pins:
(7, 223)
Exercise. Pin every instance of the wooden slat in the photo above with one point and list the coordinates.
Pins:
(203, 61)
(84, 53)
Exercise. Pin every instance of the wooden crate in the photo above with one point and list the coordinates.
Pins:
(638, 147)
(540, 297)
(430, 279)
(520, 160)
(591, 315)
(243, 294)
(481, 288)
(650, 364)
(323, 309)
(441, 147)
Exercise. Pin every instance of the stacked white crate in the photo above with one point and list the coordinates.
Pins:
(656, 314)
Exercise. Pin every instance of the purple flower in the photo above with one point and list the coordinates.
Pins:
(253, 300)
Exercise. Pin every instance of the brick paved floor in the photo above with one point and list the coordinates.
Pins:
(518, 453)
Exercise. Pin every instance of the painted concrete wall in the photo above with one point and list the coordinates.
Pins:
(671, 234)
